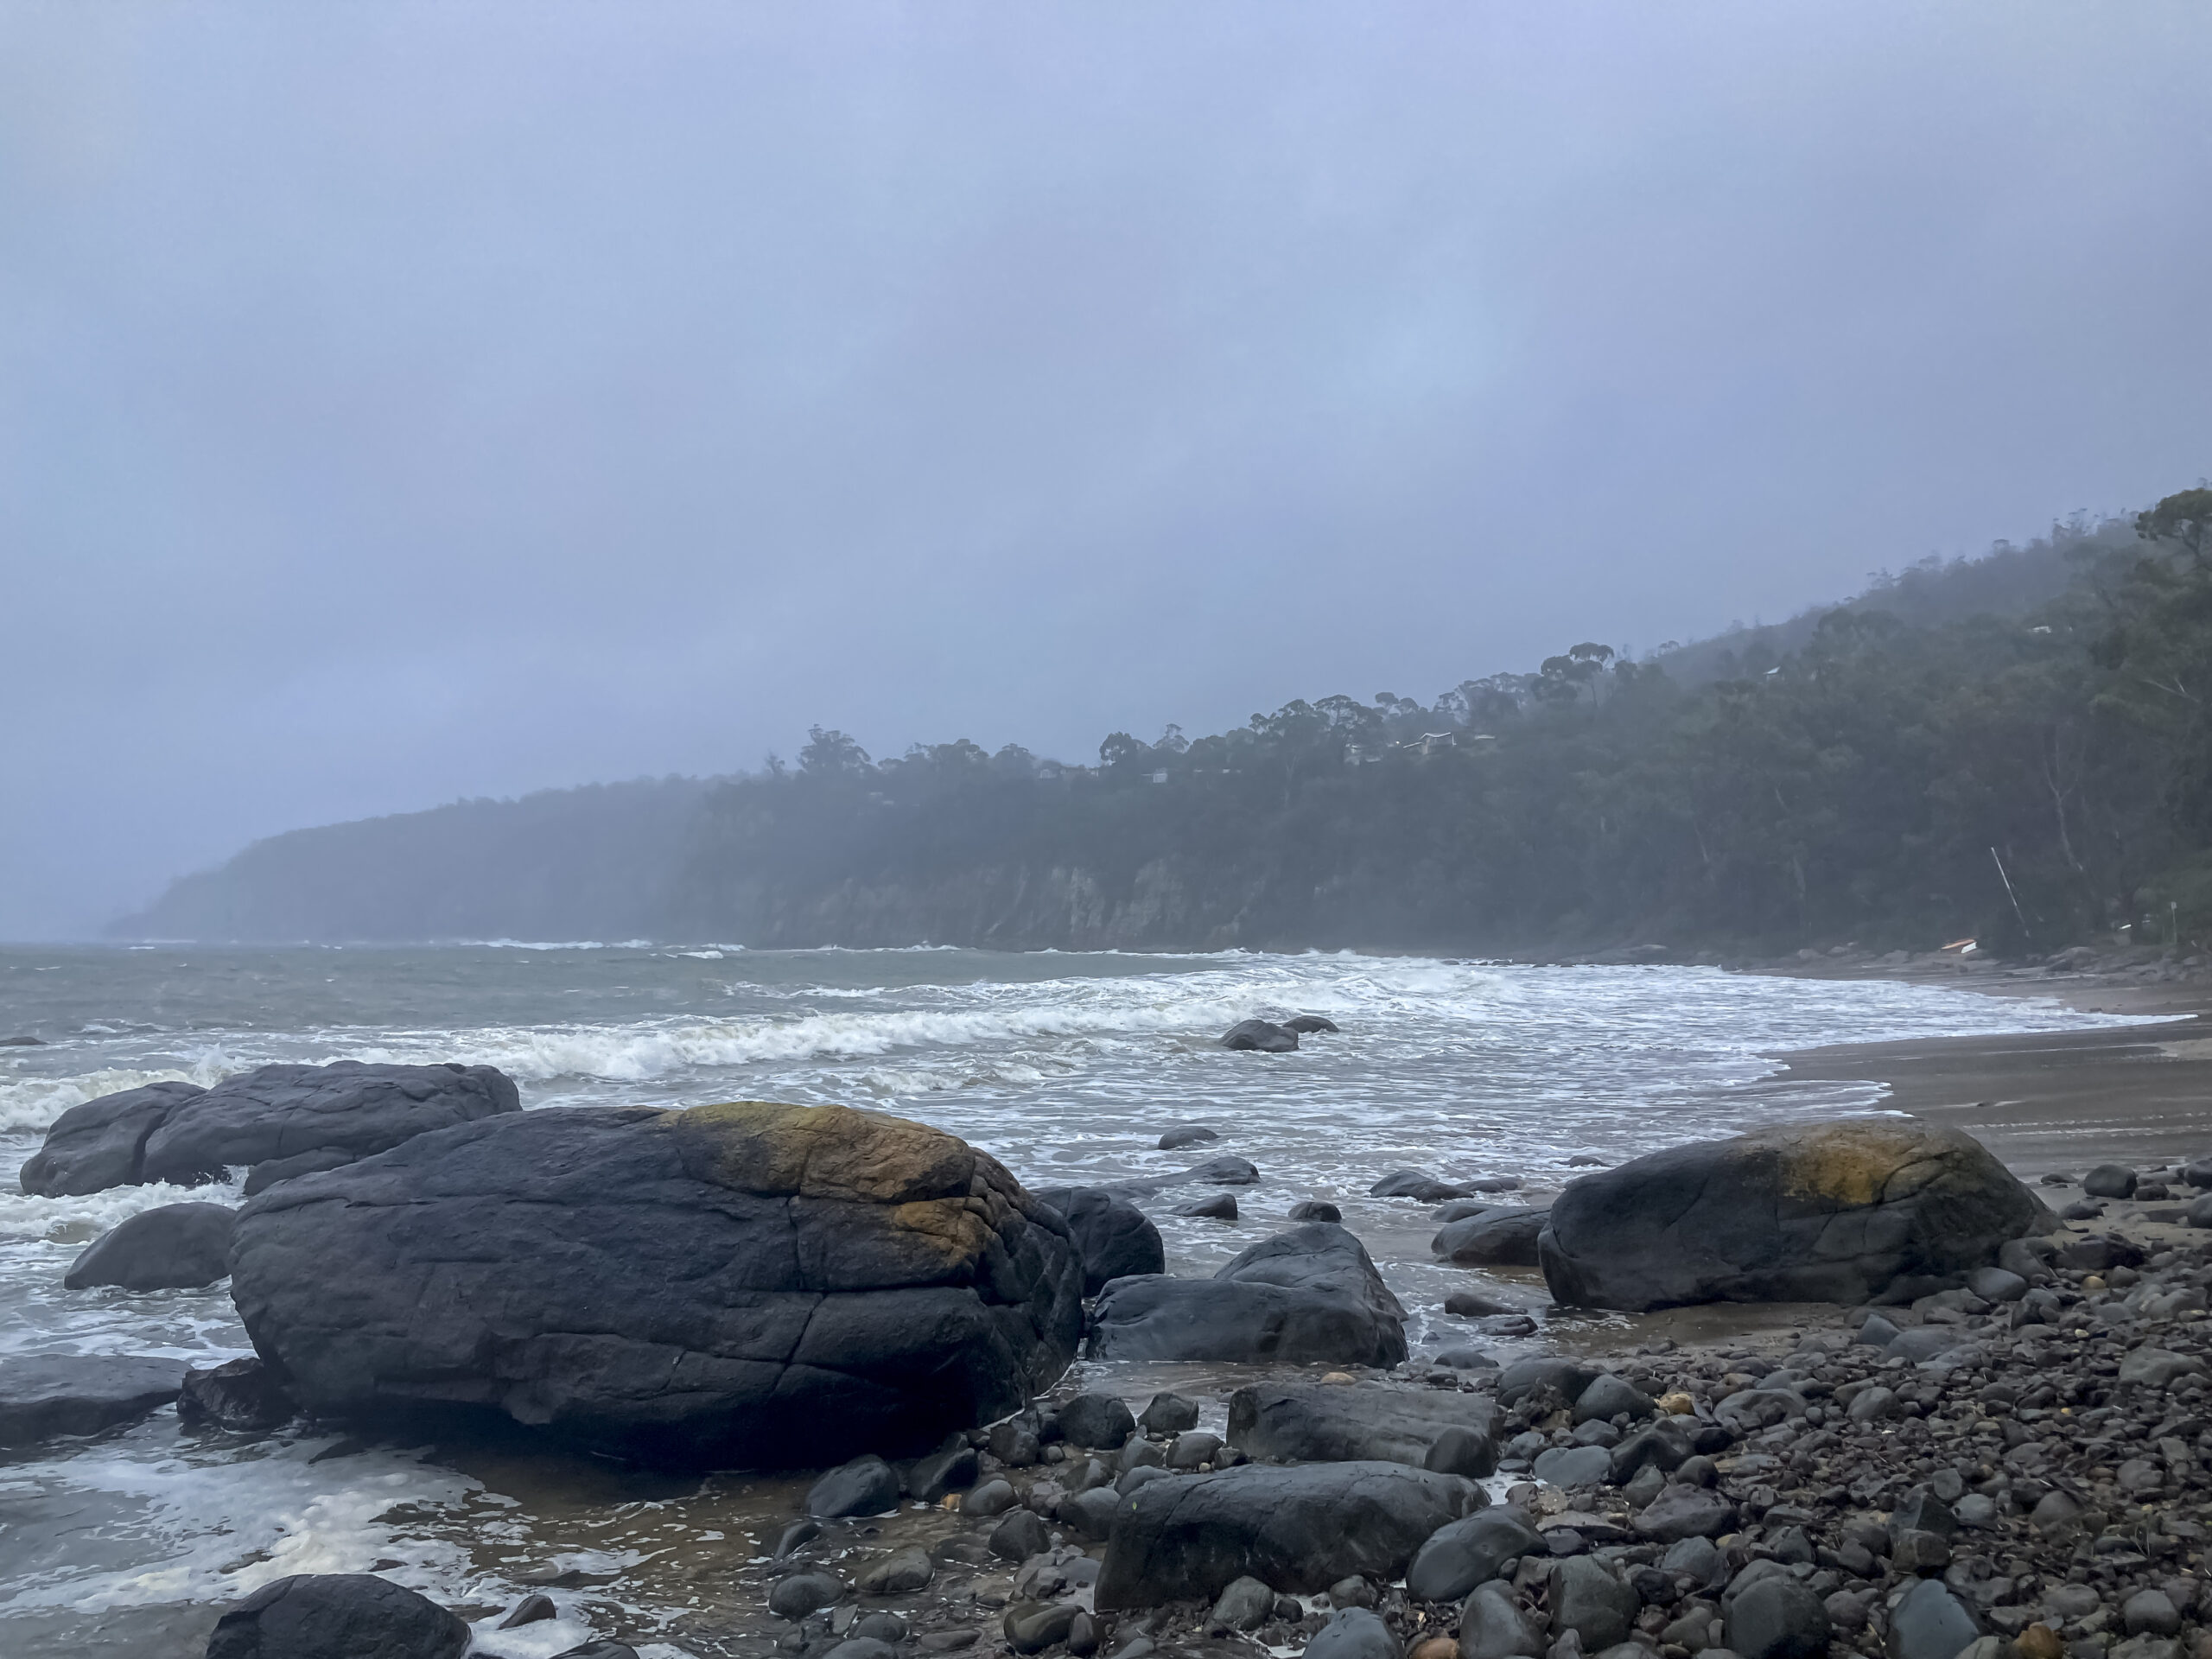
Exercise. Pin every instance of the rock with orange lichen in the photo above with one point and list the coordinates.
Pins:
(1804, 1212)
(749, 1284)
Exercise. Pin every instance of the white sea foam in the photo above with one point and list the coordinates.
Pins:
(32, 1103)
(23, 1217)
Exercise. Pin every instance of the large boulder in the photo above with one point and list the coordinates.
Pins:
(741, 1284)
(1115, 1236)
(45, 1394)
(1313, 1422)
(1504, 1235)
(1803, 1212)
(175, 1132)
(1311, 1293)
(1299, 1530)
(337, 1616)
(173, 1247)
(1260, 1034)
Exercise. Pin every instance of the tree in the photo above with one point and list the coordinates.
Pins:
(2182, 520)
(831, 754)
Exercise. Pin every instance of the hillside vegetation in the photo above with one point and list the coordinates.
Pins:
(2015, 747)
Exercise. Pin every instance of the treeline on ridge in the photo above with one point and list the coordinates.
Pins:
(2014, 748)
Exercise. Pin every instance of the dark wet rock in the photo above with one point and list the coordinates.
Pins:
(1758, 1408)
(797, 1594)
(1686, 1511)
(1020, 1535)
(2110, 1181)
(1190, 1135)
(599, 1648)
(1300, 1529)
(2100, 1252)
(1462, 1209)
(1878, 1331)
(1305, 1025)
(1492, 1626)
(2081, 1210)
(1463, 1359)
(1101, 1420)
(993, 1496)
(1260, 1035)
(865, 1486)
(266, 1174)
(2026, 1257)
(1777, 1617)
(1314, 1209)
(1244, 1604)
(1665, 1445)
(739, 1284)
(49, 1394)
(100, 1144)
(1313, 1422)
(173, 1132)
(2150, 1612)
(1115, 1236)
(1310, 1293)
(1222, 1206)
(1806, 1212)
(531, 1610)
(1587, 1599)
(2156, 1367)
(1225, 1170)
(1573, 1465)
(1354, 1633)
(1608, 1395)
(1997, 1285)
(797, 1535)
(1417, 1183)
(862, 1647)
(1523, 1376)
(2199, 1213)
(1016, 1442)
(337, 1616)
(241, 1393)
(174, 1246)
(901, 1573)
(1033, 1626)
(1930, 1623)
(1457, 1557)
(1193, 1449)
(1480, 1304)
(1169, 1414)
(952, 1469)
(1505, 1236)
(881, 1625)
(22, 1040)
(2198, 1173)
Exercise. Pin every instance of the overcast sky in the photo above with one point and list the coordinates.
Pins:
(400, 402)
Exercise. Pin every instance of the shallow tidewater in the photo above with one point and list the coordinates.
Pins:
(1066, 1067)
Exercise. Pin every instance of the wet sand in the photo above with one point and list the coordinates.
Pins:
(2064, 1101)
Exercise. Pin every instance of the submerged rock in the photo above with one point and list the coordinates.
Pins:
(175, 1132)
(43, 1395)
(1307, 1024)
(1299, 1530)
(747, 1283)
(1311, 1293)
(239, 1395)
(337, 1616)
(1810, 1213)
(177, 1246)
(1260, 1035)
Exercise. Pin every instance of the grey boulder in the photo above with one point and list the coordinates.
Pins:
(238, 1395)
(1311, 1422)
(1807, 1212)
(1260, 1035)
(1310, 1293)
(1492, 1626)
(177, 1246)
(175, 1133)
(1354, 1633)
(1097, 1419)
(1504, 1235)
(1115, 1236)
(745, 1284)
(1469, 1552)
(1299, 1529)
(866, 1485)
(1778, 1619)
(44, 1395)
(1573, 1465)
(337, 1616)
(1930, 1623)
(1585, 1596)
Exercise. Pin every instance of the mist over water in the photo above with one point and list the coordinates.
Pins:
(1066, 1067)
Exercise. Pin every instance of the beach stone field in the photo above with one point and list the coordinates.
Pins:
(1986, 1431)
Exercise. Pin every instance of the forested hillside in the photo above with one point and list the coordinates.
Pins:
(2014, 748)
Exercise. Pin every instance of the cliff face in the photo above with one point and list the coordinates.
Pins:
(997, 908)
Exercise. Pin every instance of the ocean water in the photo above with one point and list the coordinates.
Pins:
(1066, 1067)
